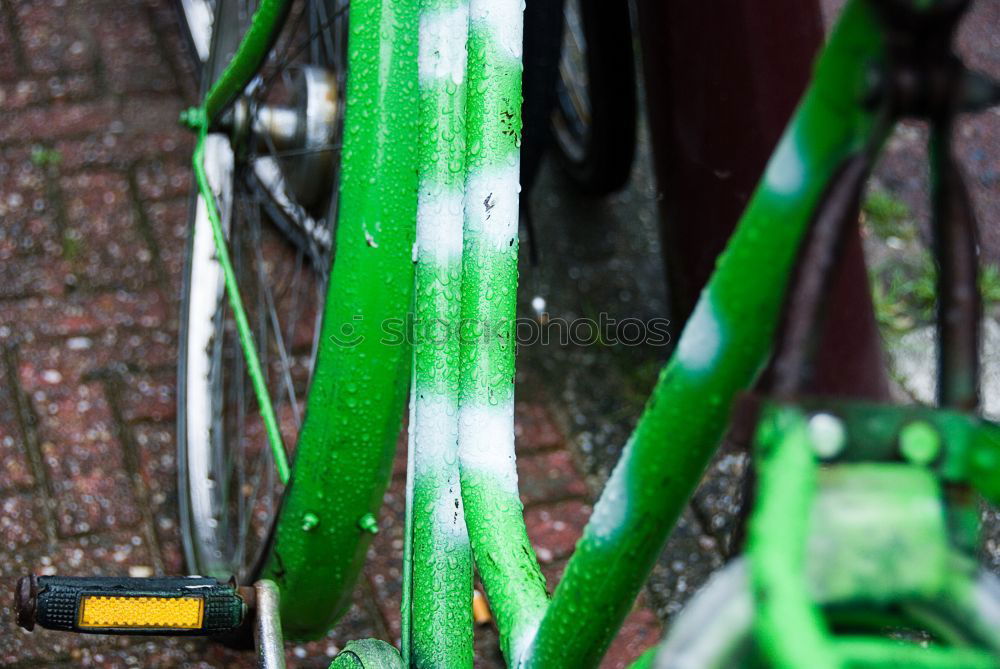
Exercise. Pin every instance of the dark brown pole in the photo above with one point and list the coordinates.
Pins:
(722, 79)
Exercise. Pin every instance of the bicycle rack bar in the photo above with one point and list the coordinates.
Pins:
(926, 79)
(959, 301)
(192, 606)
(820, 250)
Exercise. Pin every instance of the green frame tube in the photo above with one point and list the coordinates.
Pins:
(777, 549)
(354, 408)
(437, 611)
(358, 391)
(264, 28)
(721, 351)
(504, 557)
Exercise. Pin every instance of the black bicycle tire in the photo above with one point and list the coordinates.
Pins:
(609, 150)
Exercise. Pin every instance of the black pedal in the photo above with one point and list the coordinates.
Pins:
(192, 606)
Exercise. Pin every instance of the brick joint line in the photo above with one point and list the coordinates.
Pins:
(27, 421)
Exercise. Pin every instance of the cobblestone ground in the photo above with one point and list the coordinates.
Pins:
(93, 185)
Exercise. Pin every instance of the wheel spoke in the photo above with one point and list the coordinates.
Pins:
(327, 40)
(272, 315)
(288, 153)
(283, 63)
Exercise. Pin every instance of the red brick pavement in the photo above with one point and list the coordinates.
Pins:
(93, 184)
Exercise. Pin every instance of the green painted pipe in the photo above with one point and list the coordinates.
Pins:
(355, 403)
(438, 574)
(788, 626)
(493, 512)
(264, 28)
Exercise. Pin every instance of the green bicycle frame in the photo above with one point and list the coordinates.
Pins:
(725, 345)
(463, 481)
(354, 410)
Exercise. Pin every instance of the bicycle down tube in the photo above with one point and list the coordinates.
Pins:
(347, 440)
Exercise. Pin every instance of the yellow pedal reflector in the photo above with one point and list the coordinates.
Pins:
(141, 612)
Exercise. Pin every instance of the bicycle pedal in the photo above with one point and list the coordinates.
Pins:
(182, 606)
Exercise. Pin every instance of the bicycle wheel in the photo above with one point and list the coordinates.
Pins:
(594, 121)
(273, 167)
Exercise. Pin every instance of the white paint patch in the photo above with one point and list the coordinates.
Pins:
(611, 510)
(435, 427)
(439, 225)
(786, 172)
(486, 443)
(434, 440)
(442, 50)
(504, 19)
(369, 238)
(449, 517)
(491, 204)
(701, 341)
